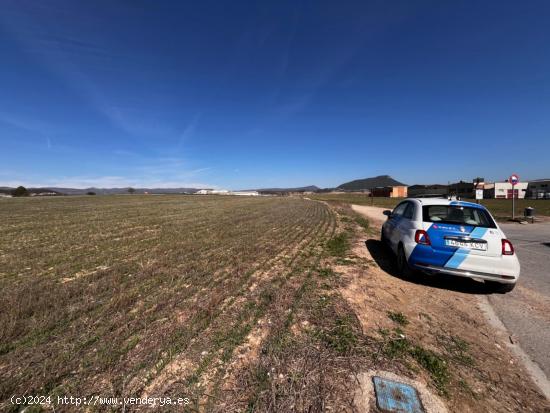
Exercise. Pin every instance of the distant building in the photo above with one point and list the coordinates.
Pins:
(538, 189)
(226, 192)
(245, 193)
(503, 190)
(427, 190)
(212, 192)
(44, 194)
(397, 191)
(462, 189)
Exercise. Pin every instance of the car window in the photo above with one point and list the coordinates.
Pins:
(409, 211)
(399, 209)
(456, 214)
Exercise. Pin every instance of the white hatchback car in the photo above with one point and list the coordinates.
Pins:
(438, 235)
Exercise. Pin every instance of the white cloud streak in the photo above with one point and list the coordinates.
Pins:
(82, 182)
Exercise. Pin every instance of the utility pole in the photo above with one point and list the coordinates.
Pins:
(514, 180)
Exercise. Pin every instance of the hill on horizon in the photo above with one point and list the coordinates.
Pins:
(310, 188)
(103, 191)
(369, 183)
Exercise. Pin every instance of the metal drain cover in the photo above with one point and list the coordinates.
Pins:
(395, 397)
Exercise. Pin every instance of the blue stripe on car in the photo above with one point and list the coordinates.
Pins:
(451, 257)
(478, 232)
(424, 254)
(456, 259)
(440, 255)
(461, 253)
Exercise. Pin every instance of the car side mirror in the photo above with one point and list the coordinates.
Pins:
(387, 213)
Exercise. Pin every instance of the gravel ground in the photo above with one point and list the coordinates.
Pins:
(526, 311)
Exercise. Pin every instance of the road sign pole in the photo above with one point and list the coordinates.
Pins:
(514, 180)
(513, 203)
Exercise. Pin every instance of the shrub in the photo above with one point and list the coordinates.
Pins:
(338, 245)
(20, 191)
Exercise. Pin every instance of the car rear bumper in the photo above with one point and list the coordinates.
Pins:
(433, 269)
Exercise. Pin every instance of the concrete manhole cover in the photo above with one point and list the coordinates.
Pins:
(395, 397)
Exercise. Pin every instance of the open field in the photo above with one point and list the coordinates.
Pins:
(271, 304)
(500, 208)
(180, 296)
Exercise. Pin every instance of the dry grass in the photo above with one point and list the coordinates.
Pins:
(132, 295)
(236, 303)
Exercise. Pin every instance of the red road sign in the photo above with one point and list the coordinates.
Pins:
(514, 179)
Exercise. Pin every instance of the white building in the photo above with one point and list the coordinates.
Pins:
(226, 192)
(213, 192)
(539, 189)
(246, 193)
(503, 190)
(203, 192)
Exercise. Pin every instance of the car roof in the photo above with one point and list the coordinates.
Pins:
(446, 201)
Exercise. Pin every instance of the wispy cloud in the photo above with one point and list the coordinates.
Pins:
(82, 182)
(170, 167)
(135, 170)
(38, 129)
(189, 131)
(191, 128)
(135, 121)
(20, 122)
(81, 60)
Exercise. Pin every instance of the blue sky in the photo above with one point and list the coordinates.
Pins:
(259, 94)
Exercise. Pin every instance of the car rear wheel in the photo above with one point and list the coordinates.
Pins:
(501, 288)
(402, 265)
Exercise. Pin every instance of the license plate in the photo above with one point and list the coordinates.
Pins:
(482, 246)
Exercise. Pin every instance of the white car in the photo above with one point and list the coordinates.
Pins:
(438, 235)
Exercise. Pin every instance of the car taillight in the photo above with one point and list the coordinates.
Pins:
(507, 247)
(422, 237)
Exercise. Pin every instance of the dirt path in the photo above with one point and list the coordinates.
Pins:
(444, 316)
(374, 214)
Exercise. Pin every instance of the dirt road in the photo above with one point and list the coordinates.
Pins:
(443, 306)
(526, 310)
(374, 214)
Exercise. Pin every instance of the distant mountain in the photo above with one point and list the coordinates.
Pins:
(114, 191)
(370, 183)
(311, 188)
(5, 190)
(9, 190)
(106, 191)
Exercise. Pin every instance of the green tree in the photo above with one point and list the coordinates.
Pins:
(131, 190)
(20, 191)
